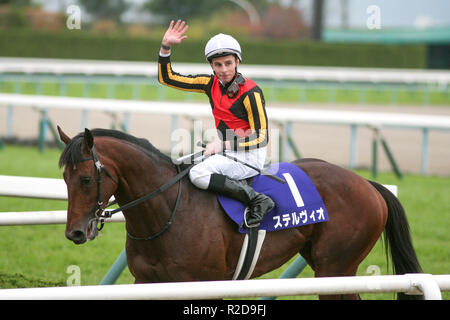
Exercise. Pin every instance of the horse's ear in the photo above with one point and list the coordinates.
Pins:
(88, 141)
(64, 138)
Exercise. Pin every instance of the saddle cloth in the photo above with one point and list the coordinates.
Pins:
(297, 202)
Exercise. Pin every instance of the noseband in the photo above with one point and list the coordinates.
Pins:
(101, 214)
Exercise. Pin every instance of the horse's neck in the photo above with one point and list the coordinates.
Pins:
(140, 174)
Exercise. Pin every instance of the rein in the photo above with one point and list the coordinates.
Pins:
(108, 213)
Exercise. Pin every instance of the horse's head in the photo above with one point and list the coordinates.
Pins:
(88, 187)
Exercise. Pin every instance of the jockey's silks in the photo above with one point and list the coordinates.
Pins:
(242, 119)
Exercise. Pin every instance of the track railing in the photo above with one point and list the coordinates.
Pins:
(428, 285)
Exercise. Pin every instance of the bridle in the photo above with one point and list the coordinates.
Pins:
(99, 168)
(101, 214)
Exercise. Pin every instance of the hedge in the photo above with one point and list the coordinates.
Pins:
(83, 45)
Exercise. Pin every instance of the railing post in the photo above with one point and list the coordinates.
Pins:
(42, 130)
(353, 145)
(294, 269)
(391, 158)
(424, 160)
(116, 269)
(375, 156)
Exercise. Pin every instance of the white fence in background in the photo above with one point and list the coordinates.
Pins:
(22, 218)
(43, 188)
(149, 69)
(29, 187)
(199, 110)
(284, 117)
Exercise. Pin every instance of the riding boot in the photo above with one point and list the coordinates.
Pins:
(259, 204)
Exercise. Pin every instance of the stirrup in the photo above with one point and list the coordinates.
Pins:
(245, 224)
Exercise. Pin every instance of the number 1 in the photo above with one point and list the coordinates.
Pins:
(294, 190)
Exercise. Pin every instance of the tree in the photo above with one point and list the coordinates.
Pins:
(22, 3)
(184, 9)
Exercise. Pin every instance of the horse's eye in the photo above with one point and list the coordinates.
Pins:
(85, 180)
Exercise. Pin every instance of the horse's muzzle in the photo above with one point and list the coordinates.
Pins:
(77, 236)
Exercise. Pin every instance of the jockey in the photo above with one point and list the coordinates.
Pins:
(238, 108)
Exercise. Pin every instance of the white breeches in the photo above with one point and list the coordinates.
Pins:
(200, 174)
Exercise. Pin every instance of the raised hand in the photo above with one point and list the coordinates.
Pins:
(175, 33)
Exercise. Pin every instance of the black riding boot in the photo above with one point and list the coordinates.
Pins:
(259, 204)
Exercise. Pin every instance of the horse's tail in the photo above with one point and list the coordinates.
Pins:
(397, 239)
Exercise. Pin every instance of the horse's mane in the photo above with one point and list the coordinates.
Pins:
(72, 152)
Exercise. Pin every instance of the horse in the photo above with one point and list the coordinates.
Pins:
(200, 242)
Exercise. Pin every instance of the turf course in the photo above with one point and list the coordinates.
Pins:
(36, 256)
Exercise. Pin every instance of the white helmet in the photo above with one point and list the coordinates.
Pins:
(222, 45)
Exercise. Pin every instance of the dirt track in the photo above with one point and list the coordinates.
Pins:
(331, 143)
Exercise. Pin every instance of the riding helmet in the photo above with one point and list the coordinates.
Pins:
(222, 45)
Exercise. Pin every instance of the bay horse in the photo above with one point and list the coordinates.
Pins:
(201, 242)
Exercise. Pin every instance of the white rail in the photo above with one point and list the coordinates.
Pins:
(22, 218)
(43, 188)
(428, 285)
(284, 116)
(30, 187)
(149, 69)
(198, 110)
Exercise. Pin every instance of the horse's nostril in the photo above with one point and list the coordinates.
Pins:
(77, 236)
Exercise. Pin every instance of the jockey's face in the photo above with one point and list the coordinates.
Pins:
(225, 67)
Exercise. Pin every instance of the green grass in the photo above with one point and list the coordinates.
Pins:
(289, 93)
(40, 255)
(17, 280)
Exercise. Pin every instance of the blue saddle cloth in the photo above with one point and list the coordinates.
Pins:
(297, 202)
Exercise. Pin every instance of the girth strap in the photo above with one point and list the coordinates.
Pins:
(250, 251)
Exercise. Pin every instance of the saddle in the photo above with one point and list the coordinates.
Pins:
(297, 203)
